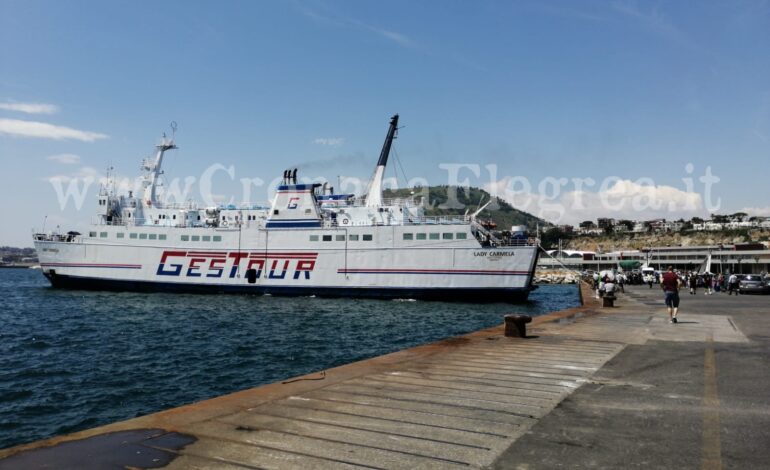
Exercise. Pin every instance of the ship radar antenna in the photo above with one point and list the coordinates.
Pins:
(173, 129)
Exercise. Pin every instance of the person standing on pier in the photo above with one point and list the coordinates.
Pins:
(670, 283)
(732, 284)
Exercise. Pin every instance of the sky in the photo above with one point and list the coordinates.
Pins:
(570, 110)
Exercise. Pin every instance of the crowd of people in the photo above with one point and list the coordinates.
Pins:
(709, 282)
(671, 282)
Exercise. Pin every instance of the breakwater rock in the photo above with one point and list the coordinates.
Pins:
(556, 277)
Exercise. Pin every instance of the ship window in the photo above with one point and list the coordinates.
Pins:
(313, 238)
(433, 236)
(327, 238)
(161, 236)
(199, 217)
(103, 234)
(173, 216)
(92, 234)
(224, 218)
(340, 238)
(121, 235)
(367, 237)
(142, 236)
(353, 238)
(206, 238)
(461, 236)
(132, 235)
(185, 238)
(196, 238)
(307, 211)
(421, 236)
(275, 212)
(446, 236)
(217, 238)
(408, 236)
(153, 236)
(129, 215)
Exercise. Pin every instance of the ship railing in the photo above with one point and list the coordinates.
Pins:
(55, 237)
(428, 220)
(397, 202)
(437, 220)
(244, 206)
(189, 205)
(144, 222)
(498, 242)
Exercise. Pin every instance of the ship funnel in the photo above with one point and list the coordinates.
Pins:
(374, 193)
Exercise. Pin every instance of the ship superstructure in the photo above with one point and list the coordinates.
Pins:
(309, 241)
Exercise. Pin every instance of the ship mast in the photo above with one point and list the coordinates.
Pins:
(152, 168)
(374, 193)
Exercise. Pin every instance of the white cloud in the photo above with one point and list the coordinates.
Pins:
(653, 20)
(42, 130)
(65, 158)
(86, 173)
(757, 211)
(30, 108)
(555, 201)
(330, 141)
(346, 21)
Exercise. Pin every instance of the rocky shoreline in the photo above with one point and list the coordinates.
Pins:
(556, 276)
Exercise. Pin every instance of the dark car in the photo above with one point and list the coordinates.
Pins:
(753, 284)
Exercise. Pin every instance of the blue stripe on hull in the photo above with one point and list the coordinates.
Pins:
(476, 295)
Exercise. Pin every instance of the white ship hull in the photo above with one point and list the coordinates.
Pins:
(285, 262)
(310, 241)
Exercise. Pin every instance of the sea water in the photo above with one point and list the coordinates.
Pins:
(71, 360)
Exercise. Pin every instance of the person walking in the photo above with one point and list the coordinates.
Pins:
(707, 283)
(596, 284)
(693, 283)
(670, 283)
(732, 284)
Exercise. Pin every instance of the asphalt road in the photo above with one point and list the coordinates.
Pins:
(666, 403)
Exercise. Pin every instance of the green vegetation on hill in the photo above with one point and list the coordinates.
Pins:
(451, 200)
(636, 241)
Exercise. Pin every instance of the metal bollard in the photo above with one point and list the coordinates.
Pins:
(516, 325)
(608, 300)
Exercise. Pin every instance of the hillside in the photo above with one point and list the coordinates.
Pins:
(499, 211)
(637, 241)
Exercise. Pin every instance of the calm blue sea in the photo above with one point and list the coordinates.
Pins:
(71, 360)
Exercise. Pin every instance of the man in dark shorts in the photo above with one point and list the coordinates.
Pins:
(670, 284)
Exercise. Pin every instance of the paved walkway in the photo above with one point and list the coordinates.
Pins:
(592, 388)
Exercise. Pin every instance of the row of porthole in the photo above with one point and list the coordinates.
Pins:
(436, 236)
(367, 237)
(201, 238)
(158, 236)
(140, 236)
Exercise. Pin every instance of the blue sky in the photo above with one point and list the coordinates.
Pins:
(634, 90)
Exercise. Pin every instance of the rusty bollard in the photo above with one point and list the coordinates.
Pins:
(516, 325)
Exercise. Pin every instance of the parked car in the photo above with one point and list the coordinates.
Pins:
(753, 284)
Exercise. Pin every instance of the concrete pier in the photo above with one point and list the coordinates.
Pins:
(588, 387)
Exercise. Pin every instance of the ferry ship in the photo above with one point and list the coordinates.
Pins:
(309, 242)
